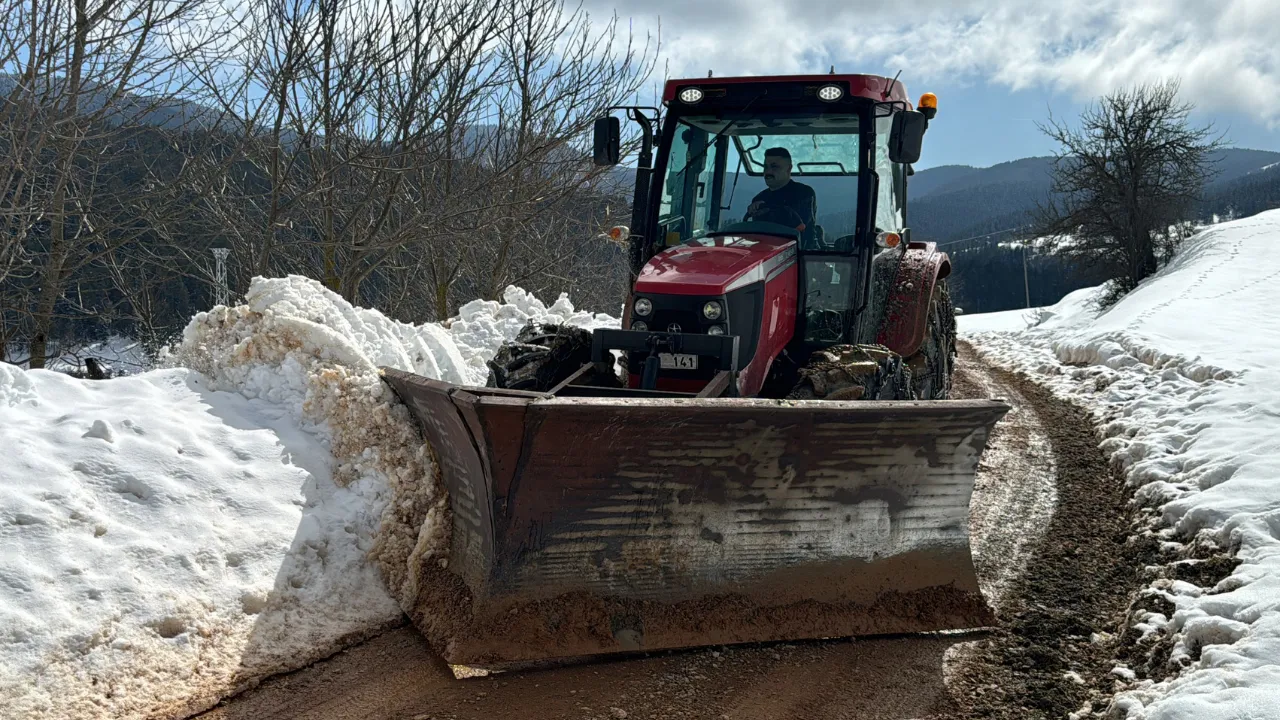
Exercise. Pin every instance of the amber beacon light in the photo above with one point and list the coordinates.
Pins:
(929, 105)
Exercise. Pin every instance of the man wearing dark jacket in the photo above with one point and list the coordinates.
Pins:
(782, 193)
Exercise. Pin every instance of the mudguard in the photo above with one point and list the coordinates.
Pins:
(906, 280)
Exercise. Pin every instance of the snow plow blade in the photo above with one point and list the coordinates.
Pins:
(591, 525)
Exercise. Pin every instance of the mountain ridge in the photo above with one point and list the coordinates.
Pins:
(970, 201)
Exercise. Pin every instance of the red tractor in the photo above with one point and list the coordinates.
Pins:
(762, 451)
(737, 298)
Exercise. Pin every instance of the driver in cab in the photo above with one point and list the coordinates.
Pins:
(783, 200)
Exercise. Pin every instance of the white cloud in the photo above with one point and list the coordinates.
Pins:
(1227, 52)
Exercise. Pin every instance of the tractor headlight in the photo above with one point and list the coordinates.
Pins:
(715, 330)
(642, 307)
(640, 326)
(712, 310)
(830, 93)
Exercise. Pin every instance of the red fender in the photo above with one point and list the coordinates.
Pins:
(906, 307)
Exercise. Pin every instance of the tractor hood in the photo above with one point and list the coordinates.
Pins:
(714, 265)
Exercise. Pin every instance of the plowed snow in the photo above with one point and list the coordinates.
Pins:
(170, 538)
(1181, 376)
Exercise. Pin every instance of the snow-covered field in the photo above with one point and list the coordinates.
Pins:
(169, 537)
(1183, 376)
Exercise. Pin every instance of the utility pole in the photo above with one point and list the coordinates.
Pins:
(222, 293)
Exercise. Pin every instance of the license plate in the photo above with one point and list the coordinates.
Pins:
(673, 361)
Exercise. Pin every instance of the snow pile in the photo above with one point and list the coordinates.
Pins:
(303, 348)
(1183, 376)
(483, 325)
(338, 332)
(171, 537)
(162, 542)
(15, 387)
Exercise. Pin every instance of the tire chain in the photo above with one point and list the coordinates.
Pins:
(537, 358)
(854, 372)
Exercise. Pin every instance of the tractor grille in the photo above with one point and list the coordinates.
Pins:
(687, 316)
(688, 321)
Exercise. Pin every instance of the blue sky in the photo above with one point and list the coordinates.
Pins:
(997, 67)
(983, 124)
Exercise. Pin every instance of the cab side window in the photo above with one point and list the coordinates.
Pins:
(686, 191)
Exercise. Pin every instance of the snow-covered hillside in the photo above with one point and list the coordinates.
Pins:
(169, 537)
(1183, 376)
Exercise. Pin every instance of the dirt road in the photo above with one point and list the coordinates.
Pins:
(395, 676)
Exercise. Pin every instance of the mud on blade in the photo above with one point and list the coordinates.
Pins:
(597, 525)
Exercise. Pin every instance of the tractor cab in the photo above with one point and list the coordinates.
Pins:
(710, 188)
(809, 171)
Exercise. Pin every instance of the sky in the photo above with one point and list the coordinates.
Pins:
(998, 68)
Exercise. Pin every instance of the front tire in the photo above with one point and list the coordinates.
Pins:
(854, 372)
(541, 357)
(933, 363)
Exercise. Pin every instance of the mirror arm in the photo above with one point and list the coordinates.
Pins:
(640, 240)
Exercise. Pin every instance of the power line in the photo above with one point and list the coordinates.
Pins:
(1026, 282)
(990, 234)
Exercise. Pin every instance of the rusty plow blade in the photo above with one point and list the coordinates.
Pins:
(592, 525)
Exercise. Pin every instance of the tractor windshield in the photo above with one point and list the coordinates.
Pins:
(715, 175)
(810, 154)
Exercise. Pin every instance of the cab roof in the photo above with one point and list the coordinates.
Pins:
(871, 87)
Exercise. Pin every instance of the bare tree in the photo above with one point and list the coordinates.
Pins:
(411, 154)
(84, 77)
(1125, 180)
(544, 201)
(437, 140)
(340, 100)
(562, 77)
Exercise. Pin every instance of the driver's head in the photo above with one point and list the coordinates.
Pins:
(777, 167)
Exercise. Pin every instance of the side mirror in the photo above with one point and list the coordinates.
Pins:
(906, 137)
(608, 141)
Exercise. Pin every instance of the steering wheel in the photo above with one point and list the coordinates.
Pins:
(778, 214)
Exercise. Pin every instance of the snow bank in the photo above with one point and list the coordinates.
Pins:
(1183, 376)
(483, 325)
(1006, 321)
(163, 542)
(169, 538)
(1074, 310)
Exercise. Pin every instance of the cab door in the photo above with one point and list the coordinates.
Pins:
(689, 205)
